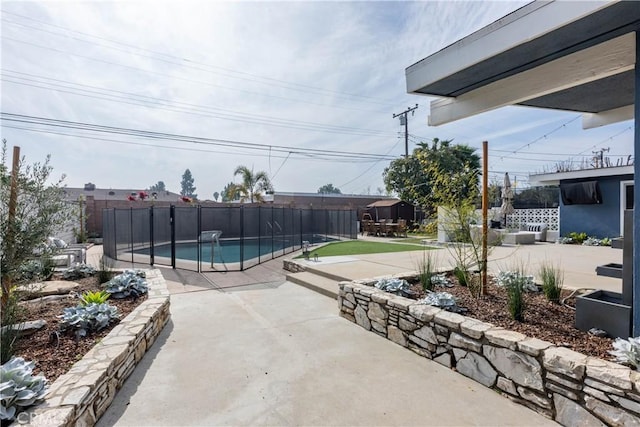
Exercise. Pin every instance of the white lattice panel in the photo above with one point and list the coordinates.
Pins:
(549, 216)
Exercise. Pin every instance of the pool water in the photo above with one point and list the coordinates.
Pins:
(228, 252)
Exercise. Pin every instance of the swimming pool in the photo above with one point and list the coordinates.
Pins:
(229, 250)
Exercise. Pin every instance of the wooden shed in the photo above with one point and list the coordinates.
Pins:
(391, 209)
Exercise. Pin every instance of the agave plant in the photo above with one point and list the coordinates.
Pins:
(627, 352)
(129, 283)
(87, 318)
(19, 389)
(97, 297)
(78, 271)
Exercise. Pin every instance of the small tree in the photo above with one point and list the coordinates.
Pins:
(216, 195)
(329, 189)
(188, 190)
(159, 186)
(252, 185)
(456, 192)
(40, 212)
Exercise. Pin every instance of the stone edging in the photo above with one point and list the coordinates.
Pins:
(568, 387)
(83, 394)
(293, 266)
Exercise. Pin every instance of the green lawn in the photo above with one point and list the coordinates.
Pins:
(357, 247)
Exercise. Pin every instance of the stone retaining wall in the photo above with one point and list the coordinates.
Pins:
(569, 387)
(82, 395)
(293, 266)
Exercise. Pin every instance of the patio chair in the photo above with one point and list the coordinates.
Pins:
(402, 227)
(384, 228)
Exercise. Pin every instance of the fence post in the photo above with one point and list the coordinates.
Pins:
(242, 236)
(172, 222)
(131, 230)
(151, 237)
(198, 242)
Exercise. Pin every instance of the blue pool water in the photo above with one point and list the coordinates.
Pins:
(228, 252)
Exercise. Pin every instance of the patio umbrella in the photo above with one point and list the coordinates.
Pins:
(507, 198)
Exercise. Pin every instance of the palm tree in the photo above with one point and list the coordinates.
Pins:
(252, 185)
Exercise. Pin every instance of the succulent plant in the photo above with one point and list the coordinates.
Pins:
(87, 318)
(19, 389)
(129, 283)
(441, 280)
(627, 352)
(439, 299)
(78, 271)
(509, 278)
(97, 297)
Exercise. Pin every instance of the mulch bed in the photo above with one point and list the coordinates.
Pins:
(55, 352)
(542, 319)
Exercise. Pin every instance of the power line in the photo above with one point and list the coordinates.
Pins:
(225, 114)
(19, 118)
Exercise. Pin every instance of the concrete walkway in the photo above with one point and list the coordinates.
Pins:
(249, 348)
(577, 262)
(278, 354)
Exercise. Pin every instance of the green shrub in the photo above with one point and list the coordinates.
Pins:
(97, 297)
(462, 276)
(552, 279)
(515, 300)
(578, 237)
(19, 389)
(36, 270)
(9, 316)
(426, 270)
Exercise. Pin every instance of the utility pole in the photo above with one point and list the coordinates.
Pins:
(599, 155)
(404, 121)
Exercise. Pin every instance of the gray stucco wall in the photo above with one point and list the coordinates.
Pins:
(601, 220)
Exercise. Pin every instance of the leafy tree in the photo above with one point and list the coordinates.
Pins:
(188, 190)
(457, 191)
(41, 211)
(329, 189)
(252, 185)
(228, 193)
(412, 177)
(216, 195)
(159, 186)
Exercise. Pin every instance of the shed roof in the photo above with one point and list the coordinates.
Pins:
(381, 203)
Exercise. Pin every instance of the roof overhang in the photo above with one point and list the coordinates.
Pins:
(573, 56)
(555, 178)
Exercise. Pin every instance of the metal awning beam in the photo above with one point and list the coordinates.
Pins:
(594, 120)
(605, 59)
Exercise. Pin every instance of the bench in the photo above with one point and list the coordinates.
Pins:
(539, 230)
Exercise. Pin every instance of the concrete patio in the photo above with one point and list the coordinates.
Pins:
(249, 348)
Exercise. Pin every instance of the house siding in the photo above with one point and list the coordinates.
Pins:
(602, 220)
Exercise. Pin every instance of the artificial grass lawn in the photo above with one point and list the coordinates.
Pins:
(356, 247)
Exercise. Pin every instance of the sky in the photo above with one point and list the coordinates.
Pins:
(136, 92)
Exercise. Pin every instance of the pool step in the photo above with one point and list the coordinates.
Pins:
(320, 284)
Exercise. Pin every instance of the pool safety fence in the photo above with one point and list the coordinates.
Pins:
(226, 238)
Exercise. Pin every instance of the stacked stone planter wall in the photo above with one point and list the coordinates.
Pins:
(292, 266)
(82, 395)
(569, 387)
